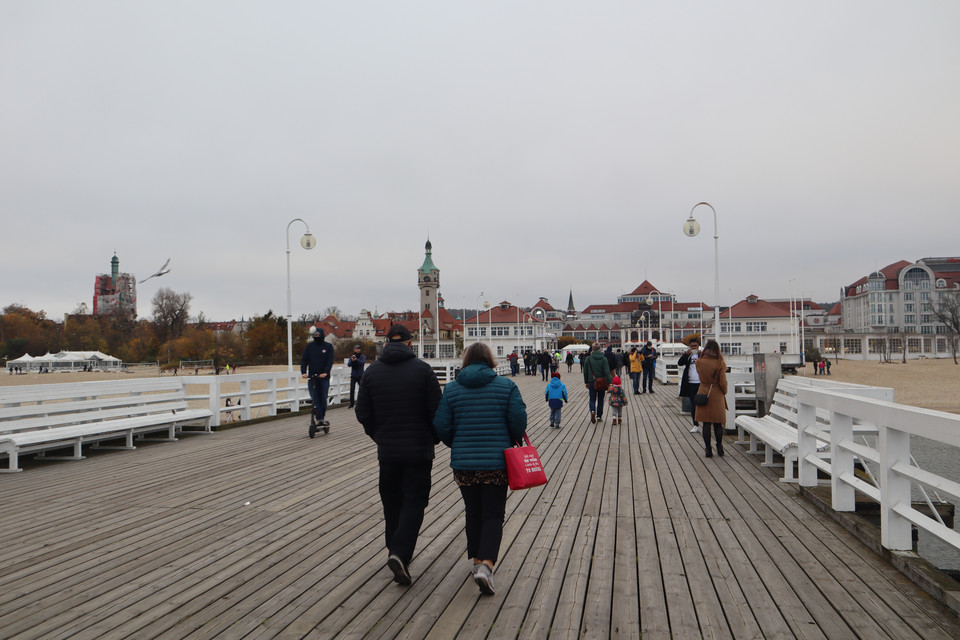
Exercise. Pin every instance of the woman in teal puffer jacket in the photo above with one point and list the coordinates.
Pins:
(480, 415)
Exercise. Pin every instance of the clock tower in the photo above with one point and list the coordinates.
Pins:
(428, 279)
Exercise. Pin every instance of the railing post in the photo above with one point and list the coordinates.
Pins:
(843, 495)
(895, 531)
(806, 443)
(245, 394)
(214, 395)
(272, 396)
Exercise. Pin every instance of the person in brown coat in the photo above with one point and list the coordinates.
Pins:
(713, 383)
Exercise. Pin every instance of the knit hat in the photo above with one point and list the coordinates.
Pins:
(616, 380)
(555, 374)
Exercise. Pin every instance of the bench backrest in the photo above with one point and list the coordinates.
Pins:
(785, 406)
(24, 394)
(46, 406)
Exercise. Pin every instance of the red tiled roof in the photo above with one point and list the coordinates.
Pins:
(645, 288)
(890, 272)
(758, 309)
(543, 304)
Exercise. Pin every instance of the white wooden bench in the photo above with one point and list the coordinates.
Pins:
(778, 431)
(41, 418)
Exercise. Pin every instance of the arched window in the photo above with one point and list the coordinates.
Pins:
(916, 278)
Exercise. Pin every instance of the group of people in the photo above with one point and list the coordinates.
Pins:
(545, 361)
(821, 367)
(404, 411)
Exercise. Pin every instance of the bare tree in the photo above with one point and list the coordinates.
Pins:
(948, 312)
(171, 311)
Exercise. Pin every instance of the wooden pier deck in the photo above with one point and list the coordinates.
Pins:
(259, 532)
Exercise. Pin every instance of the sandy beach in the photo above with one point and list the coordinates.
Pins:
(932, 384)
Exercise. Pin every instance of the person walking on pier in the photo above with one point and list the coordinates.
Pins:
(649, 367)
(399, 394)
(556, 397)
(712, 371)
(596, 376)
(636, 368)
(315, 365)
(689, 380)
(618, 400)
(357, 363)
(479, 416)
(569, 360)
(544, 359)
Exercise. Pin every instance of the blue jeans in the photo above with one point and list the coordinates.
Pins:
(596, 401)
(635, 377)
(555, 416)
(319, 389)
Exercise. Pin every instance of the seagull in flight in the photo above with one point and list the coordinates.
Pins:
(161, 271)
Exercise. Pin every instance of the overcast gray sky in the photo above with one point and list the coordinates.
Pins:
(542, 146)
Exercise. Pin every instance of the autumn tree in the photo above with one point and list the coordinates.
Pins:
(948, 312)
(266, 339)
(171, 311)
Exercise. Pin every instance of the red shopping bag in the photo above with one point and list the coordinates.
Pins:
(524, 469)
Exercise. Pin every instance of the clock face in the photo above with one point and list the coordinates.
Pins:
(426, 278)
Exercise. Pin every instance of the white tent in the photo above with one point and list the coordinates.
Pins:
(69, 360)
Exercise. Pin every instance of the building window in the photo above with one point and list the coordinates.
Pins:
(909, 319)
(913, 345)
(756, 327)
(876, 345)
(908, 295)
(734, 349)
(908, 308)
(926, 329)
(853, 345)
(730, 327)
(756, 347)
(783, 347)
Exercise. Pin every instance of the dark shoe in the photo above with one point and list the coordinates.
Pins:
(719, 449)
(350, 406)
(399, 568)
(709, 454)
(593, 417)
(326, 430)
(484, 579)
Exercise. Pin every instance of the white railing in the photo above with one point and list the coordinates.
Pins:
(897, 473)
(667, 371)
(255, 395)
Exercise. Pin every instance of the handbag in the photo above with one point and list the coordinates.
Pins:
(524, 469)
(702, 398)
(600, 384)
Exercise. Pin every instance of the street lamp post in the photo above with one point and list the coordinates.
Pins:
(646, 323)
(659, 312)
(691, 228)
(307, 241)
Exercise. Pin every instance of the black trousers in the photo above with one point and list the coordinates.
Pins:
(353, 386)
(484, 506)
(717, 429)
(405, 494)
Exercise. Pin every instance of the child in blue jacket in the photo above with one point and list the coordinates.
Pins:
(556, 395)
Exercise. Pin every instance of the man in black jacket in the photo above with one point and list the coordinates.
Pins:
(399, 394)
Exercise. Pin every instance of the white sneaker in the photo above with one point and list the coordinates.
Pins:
(695, 430)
